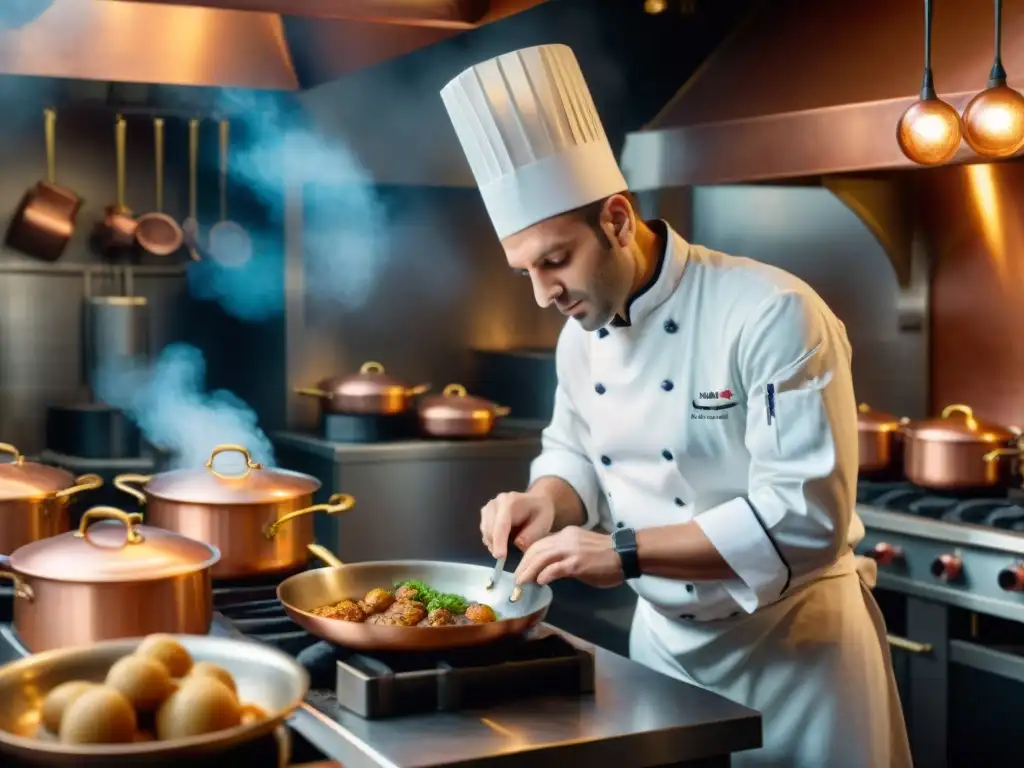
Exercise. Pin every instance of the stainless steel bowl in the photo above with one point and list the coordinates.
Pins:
(265, 677)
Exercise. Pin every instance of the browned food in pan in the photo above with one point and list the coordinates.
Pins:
(411, 604)
(346, 610)
(377, 601)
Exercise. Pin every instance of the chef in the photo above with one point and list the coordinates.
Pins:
(704, 414)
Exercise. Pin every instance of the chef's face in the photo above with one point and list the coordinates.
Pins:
(579, 261)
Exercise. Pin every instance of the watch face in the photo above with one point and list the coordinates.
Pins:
(624, 538)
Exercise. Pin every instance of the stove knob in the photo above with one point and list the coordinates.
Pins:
(947, 567)
(885, 554)
(1012, 579)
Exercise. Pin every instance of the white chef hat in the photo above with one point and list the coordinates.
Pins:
(532, 136)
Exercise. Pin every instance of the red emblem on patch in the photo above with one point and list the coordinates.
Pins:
(726, 393)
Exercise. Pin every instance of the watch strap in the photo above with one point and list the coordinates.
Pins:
(624, 541)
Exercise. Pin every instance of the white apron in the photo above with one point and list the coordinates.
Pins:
(816, 664)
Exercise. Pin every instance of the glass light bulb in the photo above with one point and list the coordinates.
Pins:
(929, 132)
(994, 122)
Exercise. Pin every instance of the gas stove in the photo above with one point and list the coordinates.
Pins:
(965, 551)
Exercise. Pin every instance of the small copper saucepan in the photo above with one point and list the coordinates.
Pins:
(960, 452)
(45, 219)
(116, 232)
(880, 439)
(157, 233)
(369, 392)
(455, 413)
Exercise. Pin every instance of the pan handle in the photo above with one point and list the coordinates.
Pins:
(339, 502)
(121, 482)
(250, 465)
(82, 483)
(50, 127)
(313, 392)
(322, 553)
(10, 450)
(21, 588)
(225, 141)
(998, 453)
(158, 152)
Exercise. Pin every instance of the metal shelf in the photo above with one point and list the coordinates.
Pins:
(71, 268)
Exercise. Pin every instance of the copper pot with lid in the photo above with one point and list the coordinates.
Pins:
(958, 451)
(880, 439)
(456, 413)
(34, 499)
(260, 520)
(372, 391)
(110, 579)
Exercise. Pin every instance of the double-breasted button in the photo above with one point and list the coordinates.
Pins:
(670, 326)
(678, 501)
(687, 617)
(620, 524)
(667, 385)
(666, 455)
(689, 587)
(606, 461)
(599, 388)
(602, 332)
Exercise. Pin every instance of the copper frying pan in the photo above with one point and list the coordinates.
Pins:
(117, 229)
(306, 591)
(45, 219)
(157, 232)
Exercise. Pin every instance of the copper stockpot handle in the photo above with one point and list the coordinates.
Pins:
(323, 553)
(371, 366)
(454, 390)
(132, 535)
(337, 503)
(966, 410)
(10, 450)
(998, 453)
(418, 390)
(88, 482)
(121, 482)
(313, 392)
(250, 465)
(21, 588)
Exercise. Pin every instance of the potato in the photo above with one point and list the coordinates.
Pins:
(58, 700)
(144, 681)
(201, 705)
(208, 669)
(167, 651)
(101, 715)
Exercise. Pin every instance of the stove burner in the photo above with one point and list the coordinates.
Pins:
(1001, 509)
(390, 684)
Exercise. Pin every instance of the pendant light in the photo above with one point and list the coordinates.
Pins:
(929, 131)
(994, 119)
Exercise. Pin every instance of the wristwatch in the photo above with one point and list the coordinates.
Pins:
(624, 541)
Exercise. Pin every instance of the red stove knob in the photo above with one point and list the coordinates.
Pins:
(885, 554)
(947, 567)
(1012, 579)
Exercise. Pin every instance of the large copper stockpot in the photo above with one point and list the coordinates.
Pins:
(959, 452)
(369, 392)
(34, 499)
(880, 439)
(109, 580)
(260, 520)
(455, 413)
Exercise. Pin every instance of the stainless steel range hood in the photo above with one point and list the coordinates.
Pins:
(282, 45)
(807, 88)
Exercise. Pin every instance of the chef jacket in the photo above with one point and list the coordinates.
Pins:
(724, 396)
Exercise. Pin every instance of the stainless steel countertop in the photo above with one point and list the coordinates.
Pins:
(635, 719)
(512, 444)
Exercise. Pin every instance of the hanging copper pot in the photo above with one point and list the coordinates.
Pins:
(456, 413)
(959, 452)
(880, 439)
(371, 391)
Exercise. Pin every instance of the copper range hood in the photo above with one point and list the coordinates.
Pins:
(806, 88)
(281, 45)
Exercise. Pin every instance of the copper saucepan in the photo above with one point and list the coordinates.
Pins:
(261, 520)
(455, 413)
(45, 219)
(960, 452)
(116, 232)
(34, 499)
(109, 580)
(304, 592)
(371, 391)
(158, 233)
(880, 439)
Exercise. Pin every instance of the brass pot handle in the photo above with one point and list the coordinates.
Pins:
(998, 453)
(864, 408)
(250, 465)
(322, 553)
(10, 450)
(21, 588)
(337, 503)
(121, 482)
(966, 410)
(454, 390)
(502, 410)
(313, 392)
(910, 646)
(132, 535)
(82, 483)
(418, 390)
(371, 366)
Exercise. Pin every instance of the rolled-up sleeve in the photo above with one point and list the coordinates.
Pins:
(563, 442)
(801, 434)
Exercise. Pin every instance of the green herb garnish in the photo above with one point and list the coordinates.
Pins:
(433, 599)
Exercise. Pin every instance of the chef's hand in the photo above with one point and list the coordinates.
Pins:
(572, 553)
(529, 516)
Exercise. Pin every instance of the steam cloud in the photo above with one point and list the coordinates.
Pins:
(169, 405)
